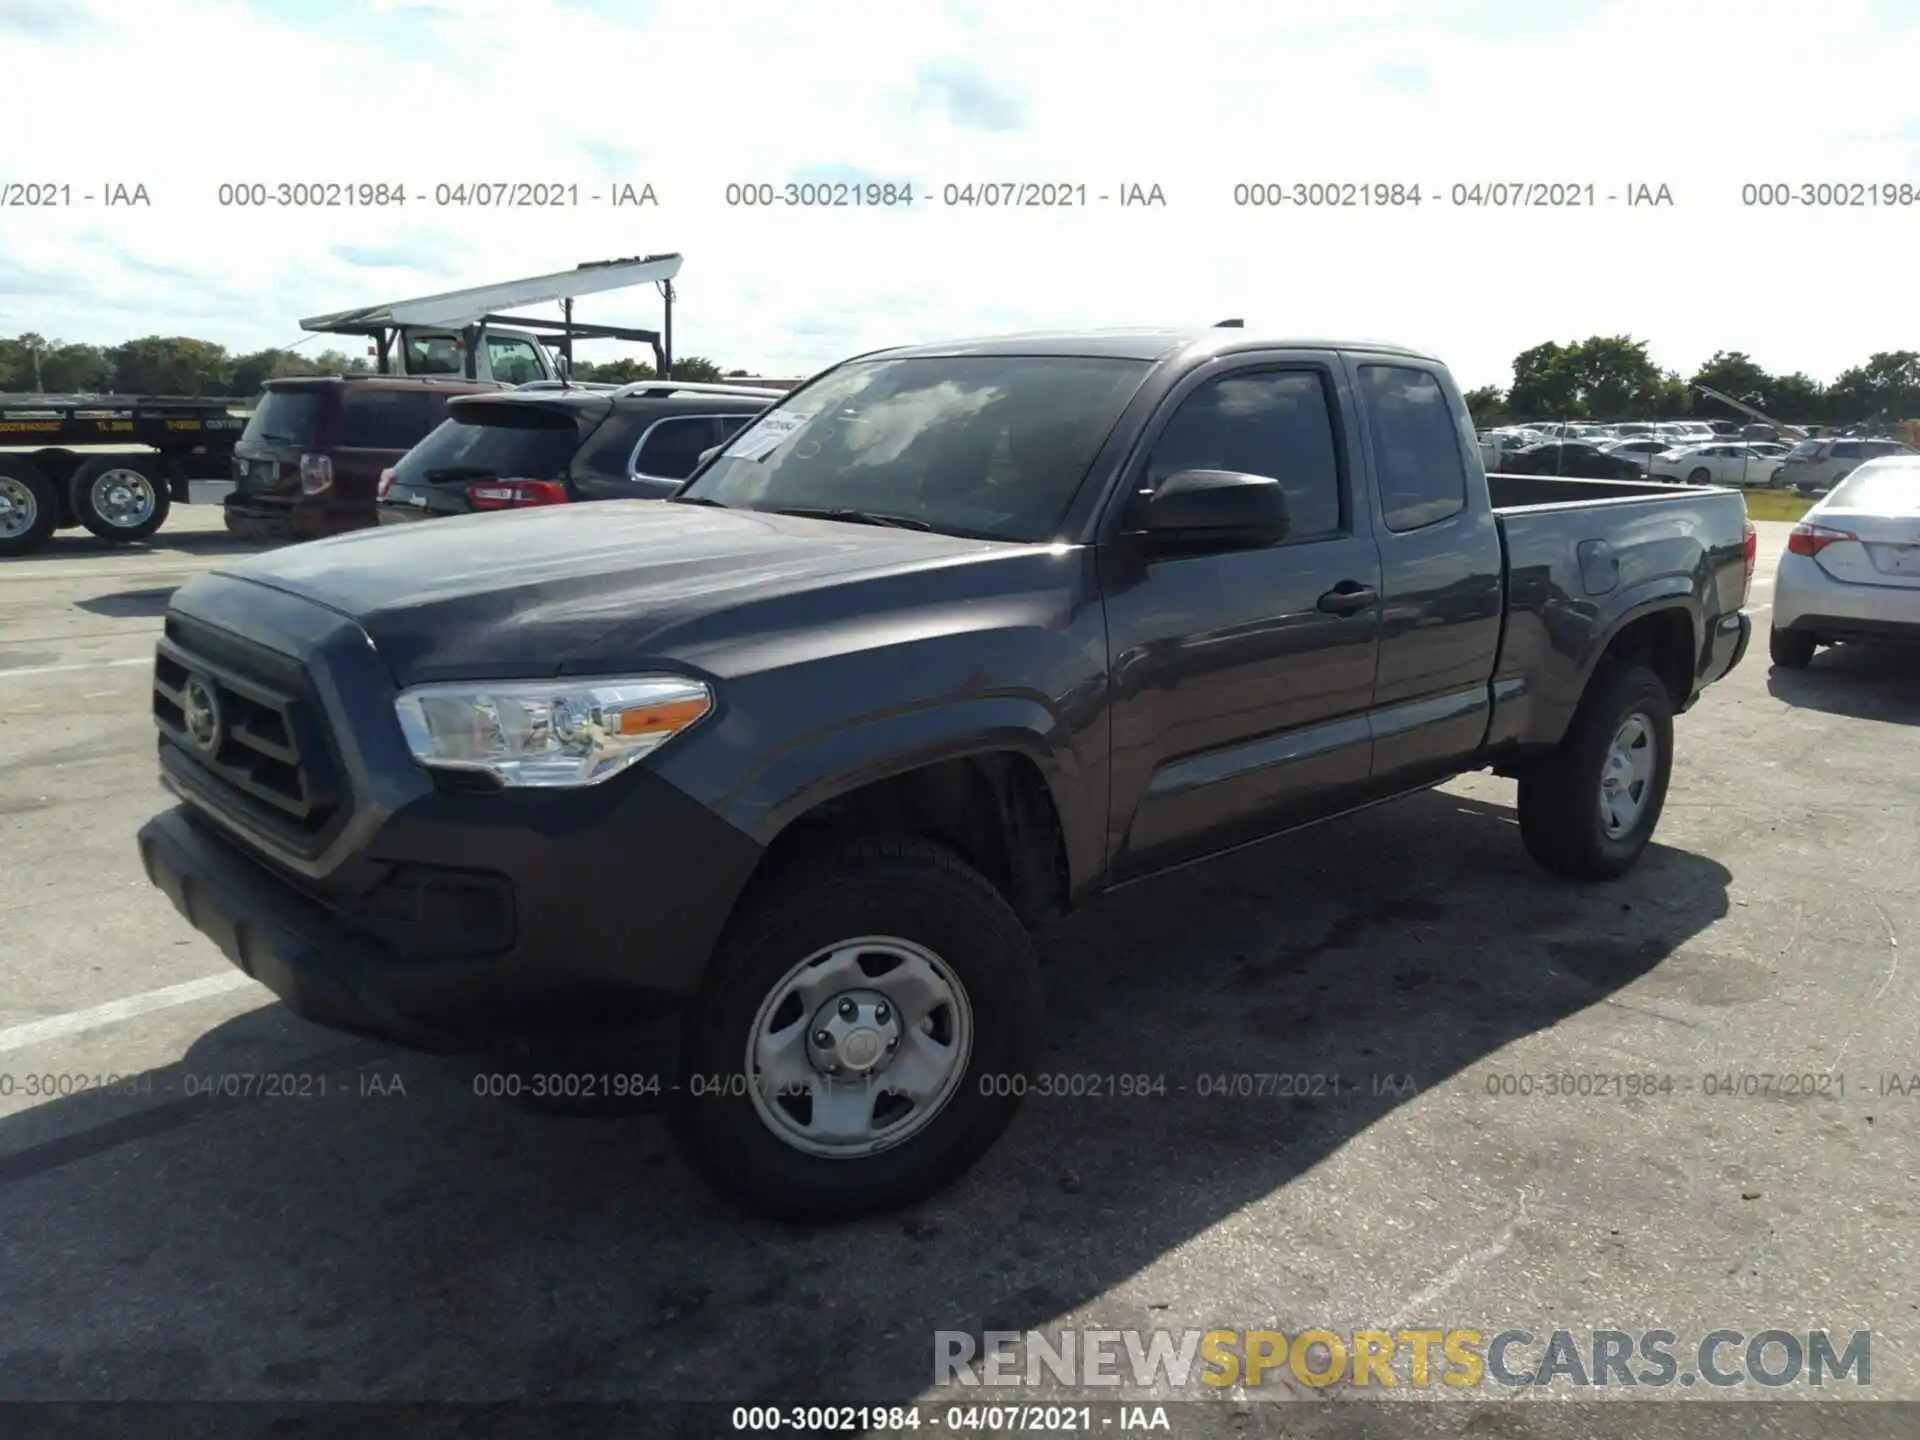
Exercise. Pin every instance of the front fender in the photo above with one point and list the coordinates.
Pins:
(877, 747)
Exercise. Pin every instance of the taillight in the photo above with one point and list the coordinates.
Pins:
(1750, 548)
(386, 483)
(515, 494)
(1810, 540)
(316, 473)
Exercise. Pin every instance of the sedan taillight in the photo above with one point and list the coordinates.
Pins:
(1810, 540)
(515, 494)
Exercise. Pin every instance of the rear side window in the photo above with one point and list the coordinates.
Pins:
(493, 441)
(1274, 423)
(388, 419)
(1846, 450)
(1416, 446)
(672, 448)
(284, 417)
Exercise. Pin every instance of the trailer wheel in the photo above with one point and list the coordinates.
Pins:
(120, 499)
(29, 506)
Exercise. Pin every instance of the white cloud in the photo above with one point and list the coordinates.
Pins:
(1698, 96)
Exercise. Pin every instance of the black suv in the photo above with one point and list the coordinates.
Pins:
(544, 446)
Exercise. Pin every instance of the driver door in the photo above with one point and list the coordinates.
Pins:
(1241, 680)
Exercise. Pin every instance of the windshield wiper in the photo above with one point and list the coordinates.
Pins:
(283, 439)
(461, 472)
(852, 517)
(699, 500)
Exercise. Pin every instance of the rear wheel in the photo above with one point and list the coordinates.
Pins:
(1791, 649)
(1588, 810)
(119, 499)
(29, 506)
(863, 1035)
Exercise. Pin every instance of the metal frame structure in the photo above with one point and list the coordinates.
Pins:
(471, 311)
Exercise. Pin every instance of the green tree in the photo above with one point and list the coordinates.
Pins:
(696, 370)
(624, 371)
(1732, 372)
(1887, 385)
(1796, 399)
(1604, 377)
(1487, 405)
(171, 365)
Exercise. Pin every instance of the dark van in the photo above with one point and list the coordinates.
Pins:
(309, 461)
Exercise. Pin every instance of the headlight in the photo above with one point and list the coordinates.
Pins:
(558, 733)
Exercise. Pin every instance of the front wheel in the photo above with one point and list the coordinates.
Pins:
(119, 499)
(1588, 809)
(1700, 476)
(863, 1035)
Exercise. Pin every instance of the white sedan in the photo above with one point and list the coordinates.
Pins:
(1852, 567)
(1730, 462)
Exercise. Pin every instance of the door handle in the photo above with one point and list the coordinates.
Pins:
(1348, 598)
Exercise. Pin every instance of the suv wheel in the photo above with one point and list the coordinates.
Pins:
(862, 1033)
(1588, 809)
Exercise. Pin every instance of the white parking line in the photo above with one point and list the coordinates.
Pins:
(77, 1022)
(83, 665)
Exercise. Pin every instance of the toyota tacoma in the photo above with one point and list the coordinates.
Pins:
(762, 789)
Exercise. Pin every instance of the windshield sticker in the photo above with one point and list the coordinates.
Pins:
(758, 440)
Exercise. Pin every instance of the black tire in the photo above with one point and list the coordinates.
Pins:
(909, 889)
(81, 493)
(1700, 475)
(1791, 649)
(1562, 821)
(26, 487)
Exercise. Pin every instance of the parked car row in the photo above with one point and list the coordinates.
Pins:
(323, 456)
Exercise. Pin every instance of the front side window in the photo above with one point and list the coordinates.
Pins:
(994, 446)
(1416, 446)
(514, 361)
(1274, 423)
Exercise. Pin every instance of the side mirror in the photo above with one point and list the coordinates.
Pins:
(1222, 509)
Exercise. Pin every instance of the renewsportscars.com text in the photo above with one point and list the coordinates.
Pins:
(1459, 1358)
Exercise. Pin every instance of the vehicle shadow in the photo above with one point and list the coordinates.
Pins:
(180, 542)
(377, 1230)
(1863, 682)
(147, 604)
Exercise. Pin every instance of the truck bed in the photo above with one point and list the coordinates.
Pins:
(1582, 556)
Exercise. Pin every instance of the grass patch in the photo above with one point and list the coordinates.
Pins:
(1777, 505)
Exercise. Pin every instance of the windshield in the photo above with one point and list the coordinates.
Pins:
(498, 441)
(284, 417)
(1882, 488)
(987, 445)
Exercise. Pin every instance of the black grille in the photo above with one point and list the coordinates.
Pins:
(270, 762)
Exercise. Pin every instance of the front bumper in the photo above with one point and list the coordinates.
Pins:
(432, 914)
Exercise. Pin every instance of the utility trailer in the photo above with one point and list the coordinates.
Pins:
(113, 463)
(467, 333)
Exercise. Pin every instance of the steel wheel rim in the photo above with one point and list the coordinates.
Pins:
(18, 508)
(123, 498)
(895, 1020)
(1626, 775)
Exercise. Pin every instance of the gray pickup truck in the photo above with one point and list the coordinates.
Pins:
(760, 790)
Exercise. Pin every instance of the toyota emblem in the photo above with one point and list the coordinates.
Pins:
(200, 708)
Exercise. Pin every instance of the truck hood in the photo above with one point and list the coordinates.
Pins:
(592, 587)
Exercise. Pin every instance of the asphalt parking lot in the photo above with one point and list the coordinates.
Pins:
(381, 1231)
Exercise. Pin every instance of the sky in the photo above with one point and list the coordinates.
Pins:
(1700, 97)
